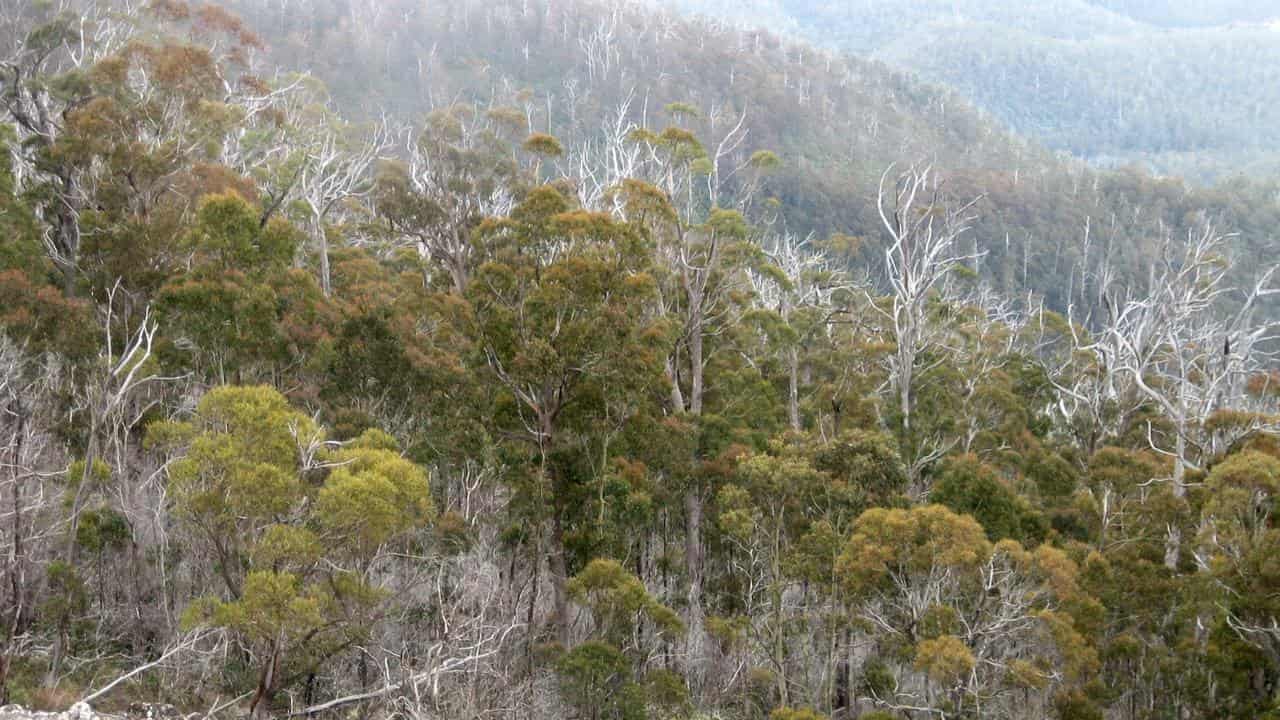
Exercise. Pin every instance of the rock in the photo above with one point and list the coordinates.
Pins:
(153, 711)
(17, 712)
(80, 711)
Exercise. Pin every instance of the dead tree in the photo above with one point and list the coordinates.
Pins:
(1187, 352)
(923, 251)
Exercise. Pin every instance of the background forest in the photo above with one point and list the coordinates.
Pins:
(1183, 87)
(563, 358)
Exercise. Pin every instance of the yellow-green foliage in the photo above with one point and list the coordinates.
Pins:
(946, 659)
(372, 496)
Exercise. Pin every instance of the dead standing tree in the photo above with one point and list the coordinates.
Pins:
(338, 167)
(1189, 356)
(29, 454)
(112, 400)
(923, 251)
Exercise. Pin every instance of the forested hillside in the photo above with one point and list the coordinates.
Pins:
(1186, 88)
(562, 359)
(584, 71)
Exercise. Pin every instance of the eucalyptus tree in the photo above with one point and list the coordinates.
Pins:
(962, 624)
(557, 311)
(458, 170)
(295, 558)
(921, 255)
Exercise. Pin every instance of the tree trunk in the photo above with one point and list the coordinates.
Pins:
(1173, 542)
(67, 233)
(793, 388)
(677, 397)
(58, 651)
(458, 274)
(17, 574)
(559, 579)
(904, 395)
(693, 557)
(268, 682)
(779, 637)
(536, 566)
(322, 242)
(693, 508)
(695, 369)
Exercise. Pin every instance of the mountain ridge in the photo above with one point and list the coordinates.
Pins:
(1177, 115)
(836, 121)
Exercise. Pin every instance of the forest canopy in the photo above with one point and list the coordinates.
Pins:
(533, 359)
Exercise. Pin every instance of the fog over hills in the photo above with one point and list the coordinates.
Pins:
(1183, 88)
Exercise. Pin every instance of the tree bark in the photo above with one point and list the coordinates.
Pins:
(793, 388)
(559, 579)
(695, 369)
(268, 681)
(693, 560)
(1173, 542)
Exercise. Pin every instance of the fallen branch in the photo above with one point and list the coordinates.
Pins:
(184, 644)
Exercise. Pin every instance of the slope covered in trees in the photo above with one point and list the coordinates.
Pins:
(508, 411)
(1184, 88)
(585, 70)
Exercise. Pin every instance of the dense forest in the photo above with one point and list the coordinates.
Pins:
(569, 359)
(833, 122)
(1186, 88)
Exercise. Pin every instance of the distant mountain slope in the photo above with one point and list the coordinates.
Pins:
(837, 123)
(1194, 13)
(1108, 80)
(1213, 91)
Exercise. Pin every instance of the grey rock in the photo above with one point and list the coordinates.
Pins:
(79, 711)
(153, 711)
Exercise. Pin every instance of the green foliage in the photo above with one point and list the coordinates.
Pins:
(102, 529)
(945, 659)
(240, 472)
(36, 313)
(1054, 477)
(69, 595)
(271, 603)
(595, 680)
(915, 541)
(1075, 705)
(867, 461)
(878, 679)
(543, 144)
(293, 554)
(968, 486)
(373, 496)
(21, 250)
(618, 600)
(229, 234)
